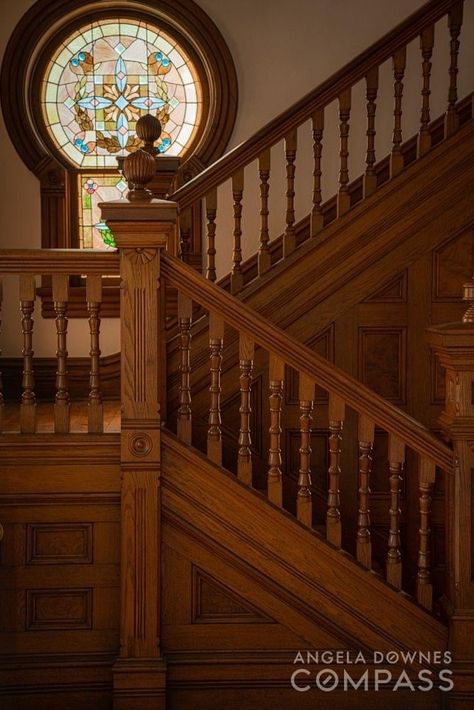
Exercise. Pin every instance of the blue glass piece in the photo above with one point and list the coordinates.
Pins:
(120, 75)
(75, 62)
(166, 141)
(148, 103)
(94, 102)
(166, 62)
(84, 148)
(122, 129)
(159, 56)
(78, 142)
(81, 56)
(121, 102)
(162, 147)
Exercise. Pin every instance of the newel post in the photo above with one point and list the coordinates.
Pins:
(453, 344)
(142, 228)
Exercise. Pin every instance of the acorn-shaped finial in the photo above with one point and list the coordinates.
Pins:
(148, 130)
(139, 169)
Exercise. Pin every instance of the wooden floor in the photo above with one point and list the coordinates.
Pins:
(45, 417)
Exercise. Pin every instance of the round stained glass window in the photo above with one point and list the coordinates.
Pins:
(108, 74)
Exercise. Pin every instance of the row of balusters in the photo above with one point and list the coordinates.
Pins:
(60, 293)
(370, 176)
(336, 414)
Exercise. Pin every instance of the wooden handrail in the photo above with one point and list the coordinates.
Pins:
(362, 399)
(59, 261)
(302, 110)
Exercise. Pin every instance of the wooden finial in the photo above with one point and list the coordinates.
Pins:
(468, 295)
(139, 169)
(148, 130)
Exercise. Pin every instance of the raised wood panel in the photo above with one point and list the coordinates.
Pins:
(213, 602)
(48, 609)
(395, 291)
(56, 543)
(452, 266)
(382, 361)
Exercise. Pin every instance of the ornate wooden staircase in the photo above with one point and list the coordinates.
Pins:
(143, 570)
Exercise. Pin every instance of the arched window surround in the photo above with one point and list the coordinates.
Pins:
(33, 42)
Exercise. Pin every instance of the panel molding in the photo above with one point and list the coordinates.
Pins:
(44, 540)
(239, 610)
(75, 611)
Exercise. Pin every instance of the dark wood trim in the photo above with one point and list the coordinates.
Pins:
(303, 109)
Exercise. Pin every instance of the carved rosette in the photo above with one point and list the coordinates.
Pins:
(140, 444)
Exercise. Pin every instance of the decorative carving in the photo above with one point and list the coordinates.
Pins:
(141, 255)
(139, 169)
(140, 444)
(148, 129)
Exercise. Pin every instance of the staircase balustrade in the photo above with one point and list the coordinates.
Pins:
(291, 127)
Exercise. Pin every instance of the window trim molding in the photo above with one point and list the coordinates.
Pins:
(29, 48)
(48, 21)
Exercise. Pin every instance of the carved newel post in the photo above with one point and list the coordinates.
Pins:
(142, 228)
(454, 346)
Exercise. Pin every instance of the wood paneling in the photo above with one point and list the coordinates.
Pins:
(57, 543)
(59, 587)
(382, 361)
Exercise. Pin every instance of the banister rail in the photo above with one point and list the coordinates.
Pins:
(359, 397)
(301, 111)
(58, 261)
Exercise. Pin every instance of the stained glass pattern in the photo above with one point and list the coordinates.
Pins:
(92, 190)
(107, 75)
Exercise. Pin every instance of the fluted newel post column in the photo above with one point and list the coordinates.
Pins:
(454, 346)
(142, 228)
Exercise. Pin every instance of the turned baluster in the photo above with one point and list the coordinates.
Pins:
(185, 220)
(454, 24)
(424, 587)
(61, 405)
(237, 281)
(372, 82)
(28, 397)
(264, 259)
(216, 344)
(333, 515)
(426, 43)
(366, 445)
(316, 212)
(289, 238)
(344, 198)
(184, 425)
(211, 210)
(396, 457)
(95, 407)
(399, 63)
(244, 457)
(304, 503)
(275, 481)
(2, 402)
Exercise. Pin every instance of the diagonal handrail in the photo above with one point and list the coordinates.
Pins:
(274, 131)
(334, 380)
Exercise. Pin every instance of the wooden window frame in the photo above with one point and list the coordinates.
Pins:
(29, 49)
